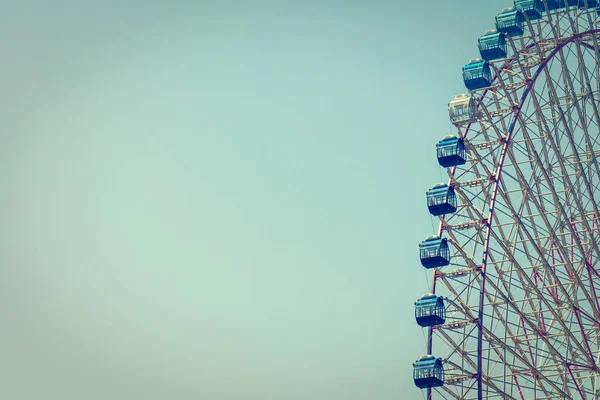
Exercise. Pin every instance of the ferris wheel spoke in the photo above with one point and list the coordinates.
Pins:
(455, 282)
(550, 270)
(518, 353)
(585, 83)
(569, 132)
(533, 328)
(477, 160)
(466, 374)
(565, 217)
(470, 263)
(499, 310)
(533, 324)
(445, 389)
(523, 227)
(557, 200)
(542, 296)
(531, 368)
(459, 348)
(527, 282)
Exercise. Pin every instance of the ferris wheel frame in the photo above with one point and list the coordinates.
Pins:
(553, 370)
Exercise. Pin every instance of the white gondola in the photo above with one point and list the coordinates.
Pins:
(462, 110)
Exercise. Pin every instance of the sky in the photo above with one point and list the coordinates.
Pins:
(221, 200)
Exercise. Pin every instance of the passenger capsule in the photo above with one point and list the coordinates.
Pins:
(477, 74)
(556, 4)
(532, 8)
(510, 21)
(492, 45)
(434, 252)
(451, 151)
(430, 310)
(589, 4)
(428, 372)
(441, 199)
(461, 110)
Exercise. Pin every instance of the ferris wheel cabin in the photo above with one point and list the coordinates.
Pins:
(430, 310)
(441, 199)
(477, 74)
(492, 45)
(451, 151)
(590, 3)
(461, 109)
(532, 8)
(428, 372)
(510, 21)
(556, 4)
(434, 252)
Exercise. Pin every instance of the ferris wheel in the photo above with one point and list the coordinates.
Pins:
(514, 308)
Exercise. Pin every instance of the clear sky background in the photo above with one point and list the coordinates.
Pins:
(219, 200)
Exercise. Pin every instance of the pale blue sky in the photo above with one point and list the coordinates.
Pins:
(218, 200)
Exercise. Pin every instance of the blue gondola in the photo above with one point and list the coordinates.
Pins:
(462, 110)
(428, 372)
(492, 45)
(441, 199)
(451, 151)
(510, 21)
(532, 8)
(590, 4)
(434, 252)
(430, 310)
(556, 4)
(477, 74)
